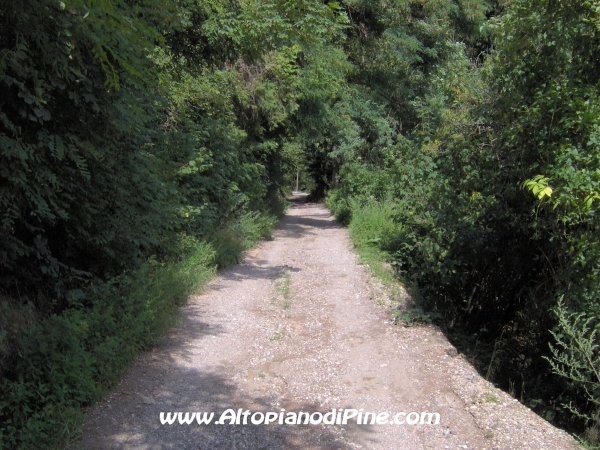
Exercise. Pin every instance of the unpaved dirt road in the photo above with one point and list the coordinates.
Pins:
(297, 327)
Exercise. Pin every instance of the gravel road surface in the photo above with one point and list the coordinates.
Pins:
(300, 326)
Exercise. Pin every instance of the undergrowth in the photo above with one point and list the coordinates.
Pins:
(51, 368)
(374, 230)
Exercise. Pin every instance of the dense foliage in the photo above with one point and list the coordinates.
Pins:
(482, 186)
(143, 143)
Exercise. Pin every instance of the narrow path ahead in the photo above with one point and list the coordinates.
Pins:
(296, 327)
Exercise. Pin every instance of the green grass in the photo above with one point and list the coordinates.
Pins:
(277, 336)
(282, 289)
(488, 397)
(282, 285)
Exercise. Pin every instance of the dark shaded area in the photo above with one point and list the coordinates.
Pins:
(213, 393)
(246, 271)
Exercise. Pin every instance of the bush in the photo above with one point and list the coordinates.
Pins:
(576, 357)
(231, 241)
(66, 361)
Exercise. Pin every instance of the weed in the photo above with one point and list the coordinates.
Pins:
(416, 316)
(277, 336)
(592, 436)
(282, 285)
(282, 288)
(498, 344)
(488, 397)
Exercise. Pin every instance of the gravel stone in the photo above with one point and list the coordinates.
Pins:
(300, 326)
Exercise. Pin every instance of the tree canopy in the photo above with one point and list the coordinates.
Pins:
(144, 142)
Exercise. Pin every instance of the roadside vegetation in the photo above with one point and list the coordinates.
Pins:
(473, 170)
(143, 144)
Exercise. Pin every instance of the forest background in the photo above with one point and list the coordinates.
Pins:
(145, 142)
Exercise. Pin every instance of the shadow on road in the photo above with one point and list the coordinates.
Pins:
(175, 377)
(136, 423)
